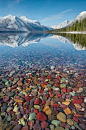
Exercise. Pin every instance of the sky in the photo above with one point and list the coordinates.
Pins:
(47, 12)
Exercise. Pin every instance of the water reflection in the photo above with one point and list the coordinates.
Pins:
(14, 40)
(17, 39)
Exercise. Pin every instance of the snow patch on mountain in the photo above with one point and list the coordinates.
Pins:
(13, 23)
(61, 25)
(68, 23)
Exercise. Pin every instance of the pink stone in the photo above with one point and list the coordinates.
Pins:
(44, 124)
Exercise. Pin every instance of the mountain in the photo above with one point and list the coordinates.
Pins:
(68, 23)
(13, 23)
(79, 18)
(17, 39)
(61, 25)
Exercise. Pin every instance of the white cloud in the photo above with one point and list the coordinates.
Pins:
(57, 16)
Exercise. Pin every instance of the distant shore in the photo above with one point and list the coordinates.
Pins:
(72, 32)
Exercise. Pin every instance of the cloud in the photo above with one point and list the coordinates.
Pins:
(54, 17)
(66, 11)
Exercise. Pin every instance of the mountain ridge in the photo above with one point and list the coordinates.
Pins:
(79, 17)
(13, 23)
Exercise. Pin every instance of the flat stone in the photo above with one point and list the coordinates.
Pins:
(78, 101)
(32, 116)
(56, 122)
(67, 111)
(70, 122)
(10, 94)
(36, 106)
(6, 99)
(59, 128)
(51, 117)
(44, 124)
(51, 127)
(41, 116)
(25, 128)
(17, 127)
(61, 116)
(62, 86)
(47, 110)
(66, 103)
(83, 126)
(9, 109)
(18, 100)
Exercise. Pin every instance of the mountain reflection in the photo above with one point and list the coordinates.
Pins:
(78, 40)
(17, 39)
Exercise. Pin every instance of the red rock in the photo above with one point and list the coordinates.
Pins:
(28, 98)
(42, 91)
(69, 90)
(77, 101)
(79, 85)
(54, 105)
(75, 97)
(75, 119)
(77, 115)
(35, 110)
(44, 124)
(41, 116)
(64, 90)
(43, 102)
(37, 101)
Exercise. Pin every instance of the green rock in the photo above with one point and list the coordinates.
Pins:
(4, 80)
(56, 122)
(59, 128)
(10, 94)
(32, 116)
(79, 128)
(9, 118)
(62, 80)
(4, 108)
(73, 94)
(62, 85)
(7, 83)
(41, 98)
(66, 129)
(49, 85)
(0, 118)
(16, 79)
(51, 127)
(73, 127)
(37, 106)
(3, 113)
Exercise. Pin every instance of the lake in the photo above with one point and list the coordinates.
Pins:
(42, 81)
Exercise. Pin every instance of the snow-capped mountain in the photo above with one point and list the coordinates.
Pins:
(61, 25)
(13, 23)
(68, 23)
